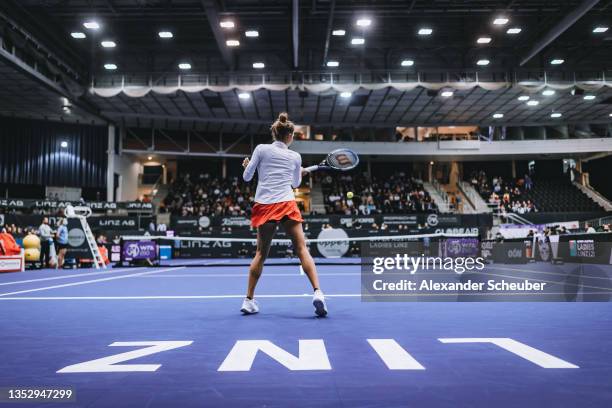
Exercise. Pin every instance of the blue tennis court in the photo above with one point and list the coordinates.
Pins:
(173, 336)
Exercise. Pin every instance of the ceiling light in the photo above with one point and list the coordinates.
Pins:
(110, 67)
(557, 61)
(483, 40)
(498, 115)
(548, 92)
(78, 35)
(108, 44)
(523, 98)
(227, 24)
(483, 62)
(611, 115)
(600, 29)
(244, 95)
(500, 21)
(150, 158)
(364, 22)
(64, 144)
(514, 30)
(333, 64)
(358, 41)
(589, 97)
(345, 94)
(165, 34)
(252, 33)
(338, 33)
(533, 103)
(184, 65)
(555, 115)
(425, 31)
(91, 25)
(259, 65)
(407, 63)
(447, 94)
(232, 43)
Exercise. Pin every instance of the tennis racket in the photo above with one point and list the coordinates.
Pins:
(339, 159)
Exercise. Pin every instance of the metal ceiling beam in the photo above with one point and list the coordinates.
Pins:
(79, 103)
(212, 15)
(559, 29)
(296, 32)
(383, 124)
(330, 22)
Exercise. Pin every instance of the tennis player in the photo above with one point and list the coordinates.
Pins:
(279, 171)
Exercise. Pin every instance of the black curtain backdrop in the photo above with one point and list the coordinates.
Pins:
(31, 153)
(599, 175)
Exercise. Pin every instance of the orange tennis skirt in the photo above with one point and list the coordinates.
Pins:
(275, 212)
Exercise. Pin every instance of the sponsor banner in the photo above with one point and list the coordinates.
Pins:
(434, 221)
(96, 223)
(17, 203)
(486, 248)
(11, 263)
(235, 222)
(510, 251)
(190, 223)
(350, 221)
(586, 248)
(138, 250)
(113, 223)
(443, 220)
(333, 249)
(77, 242)
(411, 220)
(460, 247)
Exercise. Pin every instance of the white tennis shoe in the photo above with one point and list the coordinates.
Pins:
(318, 301)
(249, 306)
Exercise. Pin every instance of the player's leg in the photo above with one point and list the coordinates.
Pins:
(265, 233)
(295, 232)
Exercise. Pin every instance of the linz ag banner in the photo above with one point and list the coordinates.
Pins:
(18, 203)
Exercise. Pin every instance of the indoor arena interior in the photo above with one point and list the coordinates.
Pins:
(306, 203)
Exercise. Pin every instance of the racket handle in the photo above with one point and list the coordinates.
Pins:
(310, 169)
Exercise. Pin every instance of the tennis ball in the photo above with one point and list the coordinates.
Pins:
(349, 195)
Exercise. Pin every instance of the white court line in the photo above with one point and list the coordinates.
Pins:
(89, 281)
(304, 295)
(67, 276)
(78, 275)
(241, 296)
(243, 275)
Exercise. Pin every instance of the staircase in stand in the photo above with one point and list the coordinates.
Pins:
(317, 200)
(594, 195)
(438, 196)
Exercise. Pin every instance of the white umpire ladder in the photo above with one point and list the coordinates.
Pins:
(81, 213)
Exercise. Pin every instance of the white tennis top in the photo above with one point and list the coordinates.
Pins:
(279, 171)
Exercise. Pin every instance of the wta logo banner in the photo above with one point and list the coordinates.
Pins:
(457, 269)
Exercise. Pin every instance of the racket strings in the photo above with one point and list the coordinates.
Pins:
(342, 159)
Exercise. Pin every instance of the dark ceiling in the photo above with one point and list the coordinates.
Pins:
(391, 38)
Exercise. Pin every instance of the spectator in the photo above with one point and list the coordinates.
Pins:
(46, 240)
(61, 242)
